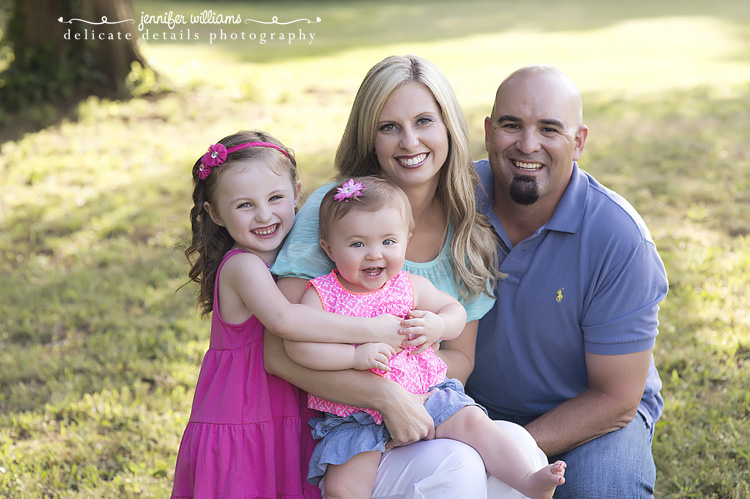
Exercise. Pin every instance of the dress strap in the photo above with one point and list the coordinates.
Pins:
(229, 254)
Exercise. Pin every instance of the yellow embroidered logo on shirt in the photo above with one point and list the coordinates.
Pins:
(559, 295)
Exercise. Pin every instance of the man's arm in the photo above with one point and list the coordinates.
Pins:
(616, 384)
(404, 412)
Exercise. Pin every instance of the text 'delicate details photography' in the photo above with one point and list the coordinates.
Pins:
(207, 26)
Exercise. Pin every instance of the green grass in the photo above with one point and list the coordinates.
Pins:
(98, 352)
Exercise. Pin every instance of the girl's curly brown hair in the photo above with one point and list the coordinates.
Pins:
(210, 242)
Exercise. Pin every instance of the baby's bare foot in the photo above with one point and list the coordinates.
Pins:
(542, 483)
(558, 470)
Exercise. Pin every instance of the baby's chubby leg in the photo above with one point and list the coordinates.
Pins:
(354, 479)
(503, 457)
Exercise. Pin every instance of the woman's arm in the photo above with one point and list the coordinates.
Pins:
(458, 354)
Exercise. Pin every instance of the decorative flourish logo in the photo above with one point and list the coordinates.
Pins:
(104, 21)
(180, 27)
(275, 20)
(559, 295)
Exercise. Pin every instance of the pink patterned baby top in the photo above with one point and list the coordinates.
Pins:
(416, 373)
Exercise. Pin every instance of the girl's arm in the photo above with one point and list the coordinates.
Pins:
(336, 356)
(458, 353)
(247, 277)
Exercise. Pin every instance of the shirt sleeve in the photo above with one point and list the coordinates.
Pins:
(622, 315)
(301, 255)
(477, 307)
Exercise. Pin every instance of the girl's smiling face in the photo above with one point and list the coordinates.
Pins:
(256, 206)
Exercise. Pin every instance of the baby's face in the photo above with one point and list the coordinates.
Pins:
(368, 247)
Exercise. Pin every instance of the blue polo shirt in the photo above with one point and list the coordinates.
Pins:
(590, 280)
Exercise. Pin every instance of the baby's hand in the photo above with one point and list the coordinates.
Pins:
(422, 329)
(372, 356)
(387, 329)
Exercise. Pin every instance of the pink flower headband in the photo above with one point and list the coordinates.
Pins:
(217, 155)
(349, 190)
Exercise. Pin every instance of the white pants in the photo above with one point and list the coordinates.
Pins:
(444, 468)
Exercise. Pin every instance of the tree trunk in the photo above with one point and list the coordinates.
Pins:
(37, 31)
(115, 57)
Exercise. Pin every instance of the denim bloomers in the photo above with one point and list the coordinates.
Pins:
(341, 438)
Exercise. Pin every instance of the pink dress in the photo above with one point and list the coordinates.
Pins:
(416, 373)
(247, 436)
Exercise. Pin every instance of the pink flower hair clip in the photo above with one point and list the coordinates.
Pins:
(349, 190)
(217, 155)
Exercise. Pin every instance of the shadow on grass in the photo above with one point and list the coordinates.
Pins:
(94, 303)
(47, 114)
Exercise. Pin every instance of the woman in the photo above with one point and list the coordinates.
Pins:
(406, 125)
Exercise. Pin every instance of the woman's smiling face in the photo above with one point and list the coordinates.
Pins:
(411, 142)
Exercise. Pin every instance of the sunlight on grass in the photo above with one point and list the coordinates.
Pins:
(631, 58)
(624, 60)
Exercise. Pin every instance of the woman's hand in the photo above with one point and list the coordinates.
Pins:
(406, 418)
(422, 329)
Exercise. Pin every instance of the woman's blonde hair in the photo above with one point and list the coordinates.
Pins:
(474, 247)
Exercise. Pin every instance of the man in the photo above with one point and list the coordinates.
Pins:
(567, 349)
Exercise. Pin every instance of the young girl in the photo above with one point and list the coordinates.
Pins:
(364, 227)
(246, 436)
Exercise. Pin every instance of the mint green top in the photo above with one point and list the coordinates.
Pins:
(301, 256)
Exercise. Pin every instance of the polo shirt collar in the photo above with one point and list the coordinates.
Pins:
(568, 215)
